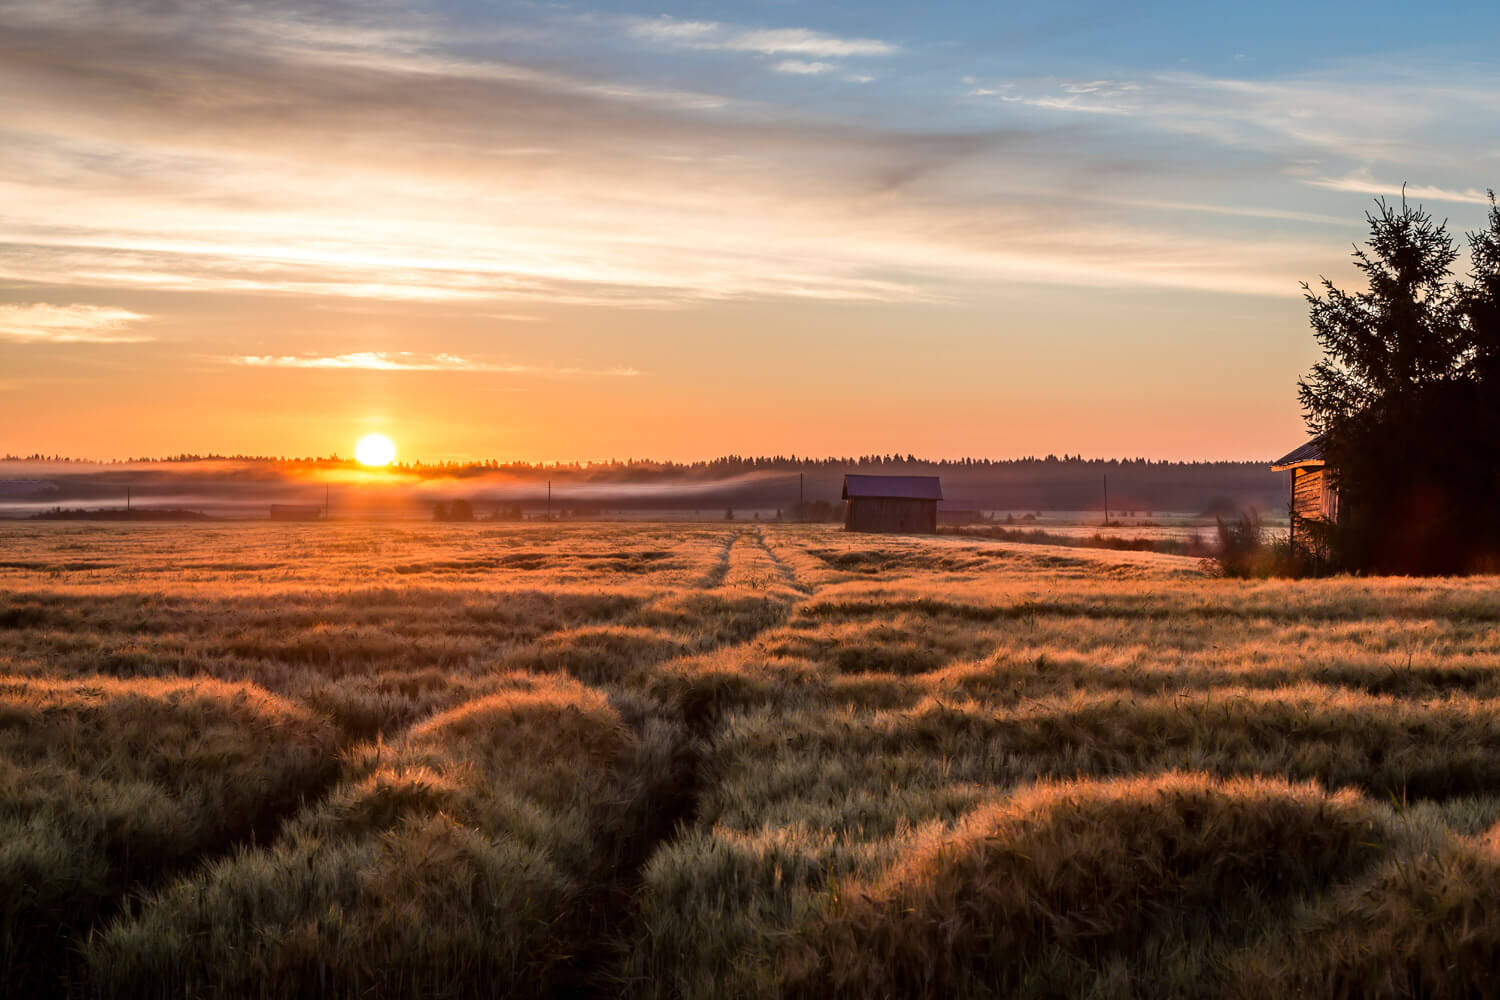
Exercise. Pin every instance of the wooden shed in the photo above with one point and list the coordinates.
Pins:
(296, 512)
(892, 503)
(1314, 492)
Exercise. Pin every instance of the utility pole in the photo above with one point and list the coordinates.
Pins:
(127, 499)
(549, 499)
(325, 501)
(1106, 499)
(801, 500)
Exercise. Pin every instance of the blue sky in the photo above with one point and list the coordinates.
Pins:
(441, 220)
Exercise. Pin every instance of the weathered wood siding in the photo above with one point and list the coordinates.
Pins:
(1314, 497)
(892, 514)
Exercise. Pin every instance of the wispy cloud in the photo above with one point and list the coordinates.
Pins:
(380, 361)
(72, 324)
(1103, 88)
(1361, 182)
(764, 41)
(1069, 103)
(802, 67)
(1329, 114)
(320, 156)
(1089, 97)
(409, 361)
(1240, 211)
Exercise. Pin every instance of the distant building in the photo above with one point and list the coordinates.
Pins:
(892, 503)
(1314, 492)
(957, 512)
(296, 512)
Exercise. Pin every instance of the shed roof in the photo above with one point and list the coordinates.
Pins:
(894, 487)
(1308, 454)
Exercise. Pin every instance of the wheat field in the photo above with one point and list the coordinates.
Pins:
(705, 760)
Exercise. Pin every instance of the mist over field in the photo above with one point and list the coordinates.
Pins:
(245, 488)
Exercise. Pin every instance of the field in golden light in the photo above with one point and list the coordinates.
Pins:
(704, 760)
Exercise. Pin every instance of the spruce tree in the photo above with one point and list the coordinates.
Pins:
(1480, 301)
(1402, 403)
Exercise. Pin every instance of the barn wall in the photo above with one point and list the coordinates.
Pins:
(1313, 495)
(891, 514)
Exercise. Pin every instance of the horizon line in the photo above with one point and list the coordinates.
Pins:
(768, 461)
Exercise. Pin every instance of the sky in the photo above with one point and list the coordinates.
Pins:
(549, 231)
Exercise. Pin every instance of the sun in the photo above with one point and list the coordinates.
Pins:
(374, 450)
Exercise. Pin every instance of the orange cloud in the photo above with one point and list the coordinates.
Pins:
(407, 361)
(72, 324)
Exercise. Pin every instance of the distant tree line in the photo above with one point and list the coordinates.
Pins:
(814, 511)
(453, 510)
(722, 467)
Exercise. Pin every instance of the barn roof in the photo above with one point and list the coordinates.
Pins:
(894, 487)
(1308, 454)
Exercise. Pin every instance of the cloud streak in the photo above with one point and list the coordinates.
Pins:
(1361, 182)
(802, 67)
(1330, 114)
(72, 324)
(410, 361)
(714, 35)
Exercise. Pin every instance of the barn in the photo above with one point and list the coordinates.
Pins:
(892, 503)
(1314, 492)
(296, 512)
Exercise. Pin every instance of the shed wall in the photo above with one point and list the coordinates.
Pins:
(891, 514)
(1314, 497)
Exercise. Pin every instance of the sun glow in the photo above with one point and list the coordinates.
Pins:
(375, 450)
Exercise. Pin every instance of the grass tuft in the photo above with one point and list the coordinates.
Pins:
(109, 785)
(1057, 886)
